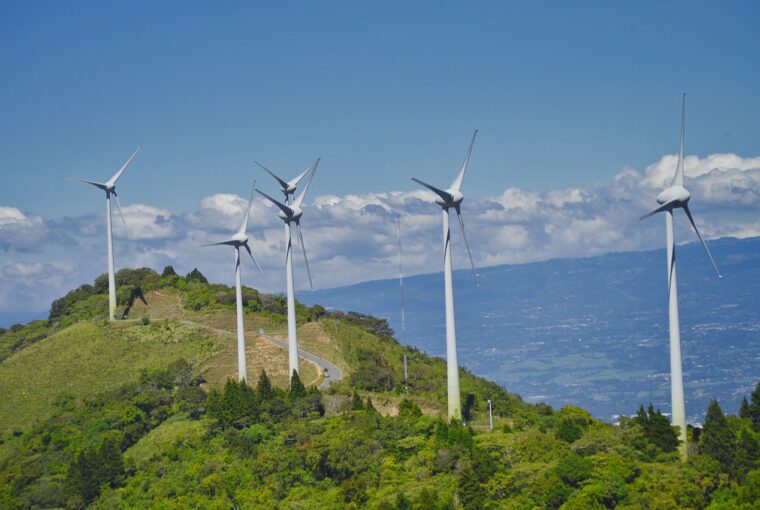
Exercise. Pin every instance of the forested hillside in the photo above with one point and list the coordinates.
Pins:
(141, 414)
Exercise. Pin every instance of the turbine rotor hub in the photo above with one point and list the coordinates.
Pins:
(677, 194)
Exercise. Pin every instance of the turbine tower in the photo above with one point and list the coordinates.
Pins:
(291, 213)
(110, 188)
(674, 197)
(240, 239)
(400, 273)
(447, 199)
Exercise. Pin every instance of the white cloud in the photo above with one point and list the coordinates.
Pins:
(353, 238)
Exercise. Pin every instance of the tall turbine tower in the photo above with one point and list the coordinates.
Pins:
(291, 213)
(110, 188)
(674, 197)
(452, 197)
(240, 239)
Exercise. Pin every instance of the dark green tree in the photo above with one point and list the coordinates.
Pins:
(369, 406)
(469, 403)
(471, 494)
(196, 276)
(408, 409)
(297, 389)
(657, 429)
(168, 271)
(754, 408)
(356, 402)
(744, 410)
(95, 467)
(264, 388)
(574, 469)
(568, 430)
(746, 455)
(717, 440)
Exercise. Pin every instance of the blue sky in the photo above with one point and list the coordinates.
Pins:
(564, 94)
(577, 106)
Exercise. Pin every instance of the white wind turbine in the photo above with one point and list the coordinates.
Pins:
(452, 197)
(110, 188)
(240, 239)
(674, 197)
(291, 213)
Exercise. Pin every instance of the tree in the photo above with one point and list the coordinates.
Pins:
(297, 388)
(408, 409)
(94, 467)
(168, 271)
(469, 403)
(717, 440)
(471, 494)
(369, 406)
(568, 430)
(356, 402)
(657, 429)
(196, 276)
(264, 387)
(754, 408)
(746, 455)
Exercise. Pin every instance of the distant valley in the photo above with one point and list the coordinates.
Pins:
(590, 332)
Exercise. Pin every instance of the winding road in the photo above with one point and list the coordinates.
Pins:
(331, 373)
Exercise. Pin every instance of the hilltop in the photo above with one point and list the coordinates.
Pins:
(143, 413)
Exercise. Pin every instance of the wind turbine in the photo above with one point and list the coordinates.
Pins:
(288, 188)
(110, 188)
(291, 213)
(447, 199)
(674, 197)
(238, 240)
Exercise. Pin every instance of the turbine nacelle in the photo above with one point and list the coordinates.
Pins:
(294, 214)
(453, 199)
(288, 188)
(677, 196)
(240, 238)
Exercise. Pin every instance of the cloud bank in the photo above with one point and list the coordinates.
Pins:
(352, 238)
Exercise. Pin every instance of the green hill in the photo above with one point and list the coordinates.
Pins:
(141, 414)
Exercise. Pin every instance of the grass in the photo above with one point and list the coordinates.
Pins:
(261, 354)
(162, 438)
(85, 359)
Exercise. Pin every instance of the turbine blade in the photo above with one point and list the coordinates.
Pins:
(457, 184)
(231, 242)
(283, 184)
(709, 255)
(244, 226)
(284, 208)
(299, 199)
(305, 259)
(295, 180)
(124, 166)
(467, 245)
(663, 207)
(100, 185)
(266, 283)
(678, 177)
(445, 195)
(121, 214)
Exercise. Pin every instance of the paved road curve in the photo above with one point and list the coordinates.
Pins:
(331, 372)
